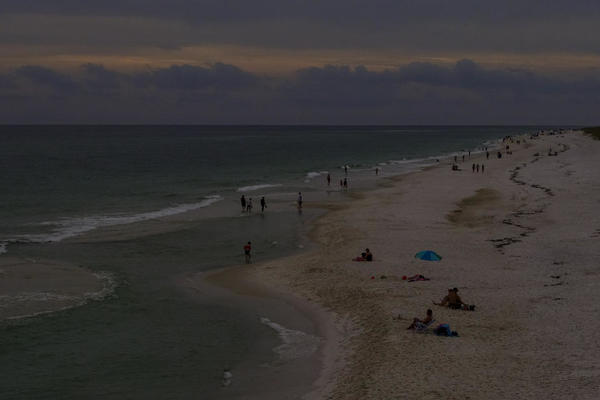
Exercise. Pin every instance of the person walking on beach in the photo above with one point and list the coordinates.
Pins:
(249, 206)
(299, 200)
(477, 167)
(487, 154)
(243, 201)
(263, 204)
(473, 167)
(247, 253)
(328, 179)
(376, 170)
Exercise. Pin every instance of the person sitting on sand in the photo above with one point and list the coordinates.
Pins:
(453, 300)
(421, 323)
(368, 255)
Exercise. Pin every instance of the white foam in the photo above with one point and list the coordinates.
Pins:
(70, 227)
(314, 174)
(257, 187)
(108, 290)
(296, 344)
(3, 247)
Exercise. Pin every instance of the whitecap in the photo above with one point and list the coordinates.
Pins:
(70, 227)
(252, 188)
(296, 344)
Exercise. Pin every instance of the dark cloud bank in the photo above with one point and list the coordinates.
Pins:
(417, 93)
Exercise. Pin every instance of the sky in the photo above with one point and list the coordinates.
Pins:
(300, 62)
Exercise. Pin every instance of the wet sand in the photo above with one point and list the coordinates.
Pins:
(520, 241)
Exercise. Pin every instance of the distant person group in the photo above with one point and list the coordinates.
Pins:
(247, 204)
(477, 167)
(451, 300)
(364, 256)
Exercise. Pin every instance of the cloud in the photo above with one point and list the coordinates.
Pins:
(524, 26)
(44, 77)
(187, 77)
(415, 93)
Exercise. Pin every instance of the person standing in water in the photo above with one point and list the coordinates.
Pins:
(243, 201)
(263, 204)
(249, 205)
(345, 183)
(247, 253)
(328, 179)
(299, 200)
(376, 170)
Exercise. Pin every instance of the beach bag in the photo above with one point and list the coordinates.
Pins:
(443, 330)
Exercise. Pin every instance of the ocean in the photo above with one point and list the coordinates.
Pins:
(147, 338)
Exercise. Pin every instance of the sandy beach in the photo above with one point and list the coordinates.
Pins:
(520, 241)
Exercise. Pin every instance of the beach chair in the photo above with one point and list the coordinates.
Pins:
(422, 328)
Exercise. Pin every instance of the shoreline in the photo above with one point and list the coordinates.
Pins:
(493, 221)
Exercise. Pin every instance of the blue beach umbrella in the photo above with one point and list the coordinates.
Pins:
(428, 255)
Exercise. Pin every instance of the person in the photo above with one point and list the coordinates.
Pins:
(477, 167)
(249, 205)
(243, 201)
(345, 183)
(368, 255)
(247, 250)
(376, 170)
(473, 167)
(455, 159)
(453, 300)
(346, 169)
(487, 154)
(227, 376)
(328, 179)
(362, 257)
(463, 156)
(482, 168)
(341, 183)
(299, 200)
(422, 323)
(263, 204)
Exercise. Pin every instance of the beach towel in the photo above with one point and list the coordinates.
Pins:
(416, 278)
(444, 330)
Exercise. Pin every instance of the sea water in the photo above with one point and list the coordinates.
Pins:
(149, 338)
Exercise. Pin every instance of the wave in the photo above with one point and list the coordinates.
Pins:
(296, 344)
(70, 227)
(3, 247)
(257, 187)
(314, 174)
